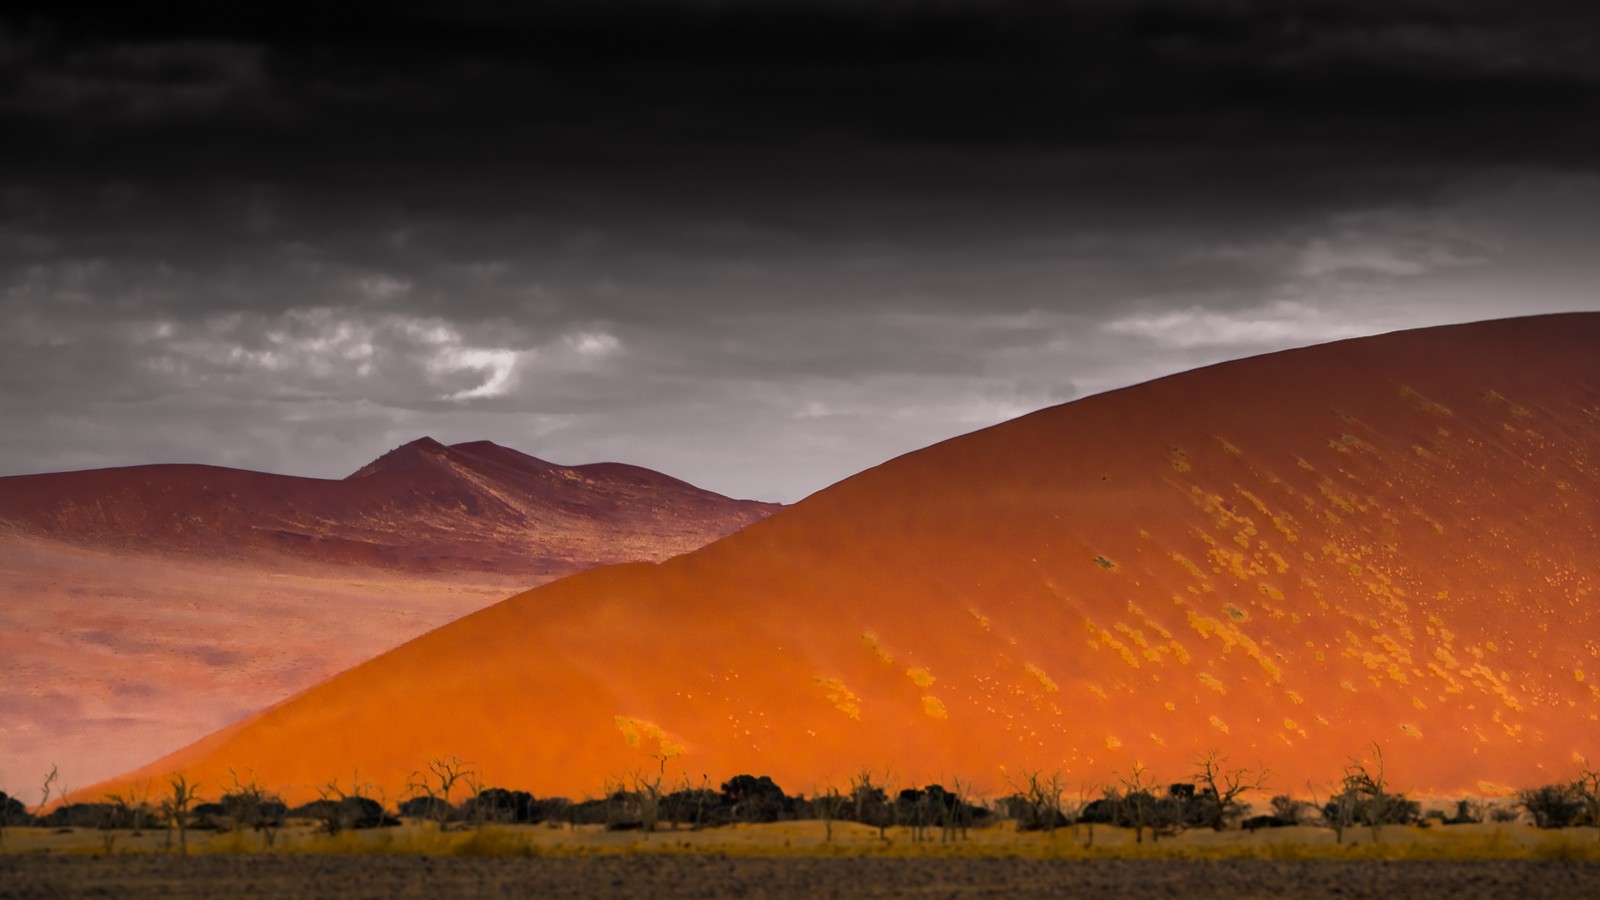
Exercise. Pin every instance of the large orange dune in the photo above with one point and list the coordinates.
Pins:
(144, 607)
(1284, 558)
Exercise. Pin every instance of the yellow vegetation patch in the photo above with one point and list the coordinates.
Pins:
(648, 736)
(1179, 652)
(1113, 743)
(921, 677)
(1190, 567)
(871, 640)
(1211, 682)
(1217, 723)
(980, 618)
(1044, 680)
(842, 698)
(1180, 460)
(934, 708)
(1411, 731)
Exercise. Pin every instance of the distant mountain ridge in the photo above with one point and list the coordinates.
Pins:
(142, 607)
(422, 507)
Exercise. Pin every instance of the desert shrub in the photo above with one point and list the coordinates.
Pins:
(1468, 812)
(695, 807)
(1356, 807)
(1256, 822)
(81, 815)
(1288, 809)
(1104, 811)
(209, 817)
(502, 806)
(427, 808)
(1553, 805)
(253, 810)
(753, 799)
(344, 813)
(13, 811)
(1503, 814)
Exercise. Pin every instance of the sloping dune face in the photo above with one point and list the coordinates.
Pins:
(1284, 558)
(141, 608)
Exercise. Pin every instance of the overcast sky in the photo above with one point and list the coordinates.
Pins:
(757, 245)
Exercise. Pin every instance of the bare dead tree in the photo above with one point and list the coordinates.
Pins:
(128, 810)
(647, 795)
(958, 815)
(175, 808)
(475, 784)
(826, 806)
(1225, 785)
(436, 781)
(1080, 805)
(10, 806)
(1587, 787)
(340, 809)
(1138, 801)
(1363, 779)
(1041, 801)
(253, 806)
(872, 802)
(44, 793)
(1338, 813)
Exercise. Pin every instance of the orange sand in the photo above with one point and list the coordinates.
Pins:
(1390, 539)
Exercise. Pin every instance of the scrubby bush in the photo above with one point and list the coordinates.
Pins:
(342, 813)
(81, 815)
(696, 807)
(502, 806)
(427, 808)
(756, 799)
(1288, 810)
(1552, 805)
(12, 812)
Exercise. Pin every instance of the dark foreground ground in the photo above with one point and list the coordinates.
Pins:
(297, 875)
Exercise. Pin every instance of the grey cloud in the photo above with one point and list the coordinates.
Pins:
(756, 245)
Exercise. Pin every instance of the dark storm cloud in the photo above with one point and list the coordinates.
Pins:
(601, 227)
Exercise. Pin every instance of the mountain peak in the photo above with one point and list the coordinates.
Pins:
(403, 457)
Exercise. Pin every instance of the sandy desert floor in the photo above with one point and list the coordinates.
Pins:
(115, 660)
(793, 859)
(353, 876)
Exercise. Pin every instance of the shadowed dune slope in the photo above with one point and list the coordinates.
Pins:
(143, 607)
(423, 507)
(1389, 539)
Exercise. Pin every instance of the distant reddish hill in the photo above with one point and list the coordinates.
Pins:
(1390, 539)
(423, 507)
(143, 607)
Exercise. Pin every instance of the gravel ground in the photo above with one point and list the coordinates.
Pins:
(283, 875)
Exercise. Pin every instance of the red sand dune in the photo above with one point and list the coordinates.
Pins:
(141, 608)
(423, 507)
(1389, 539)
